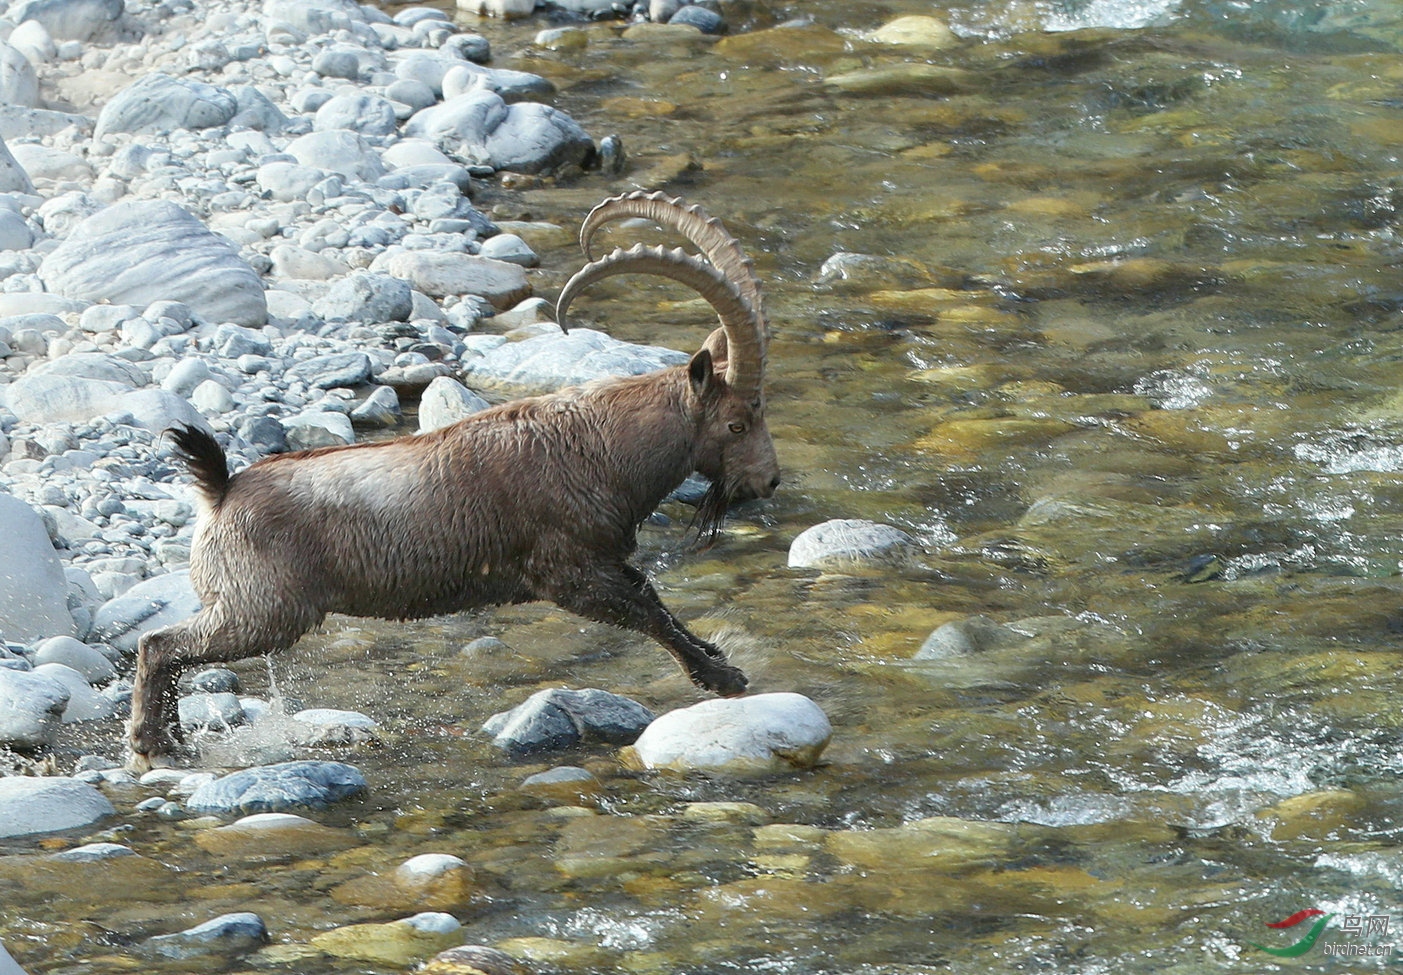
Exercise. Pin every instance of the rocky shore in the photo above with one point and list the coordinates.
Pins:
(260, 220)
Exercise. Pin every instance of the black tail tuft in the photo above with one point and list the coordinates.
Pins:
(204, 457)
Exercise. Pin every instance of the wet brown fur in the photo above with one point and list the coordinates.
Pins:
(538, 499)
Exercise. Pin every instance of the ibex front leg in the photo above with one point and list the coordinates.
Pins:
(622, 596)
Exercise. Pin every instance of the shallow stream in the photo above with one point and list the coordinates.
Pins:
(1130, 366)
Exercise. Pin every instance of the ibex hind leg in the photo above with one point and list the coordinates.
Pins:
(622, 596)
(152, 736)
(213, 635)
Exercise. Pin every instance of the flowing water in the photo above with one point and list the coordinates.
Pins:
(1125, 357)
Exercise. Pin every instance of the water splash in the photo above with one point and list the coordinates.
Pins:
(1066, 15)
(1173, 390)
(1348, 451)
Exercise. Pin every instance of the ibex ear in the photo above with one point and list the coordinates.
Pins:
(701, 374)
(716, 342)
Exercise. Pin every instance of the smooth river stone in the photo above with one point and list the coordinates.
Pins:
(142, 251)
(152, 603)
(559, 718)
(224, 935)
(13, 178)
(158, 104)
(442, 273)
(548, 362)
(758, 733)
(525, 137)
(69, 20)
(849, 541)
(33, 588)
(48, 804)
(445, 402)
(277, 788)
(31, 709)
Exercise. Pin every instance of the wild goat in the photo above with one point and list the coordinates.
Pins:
(538, 499)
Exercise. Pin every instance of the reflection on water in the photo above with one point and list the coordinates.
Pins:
(1120, 345)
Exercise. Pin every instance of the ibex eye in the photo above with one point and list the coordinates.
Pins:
(738, 428)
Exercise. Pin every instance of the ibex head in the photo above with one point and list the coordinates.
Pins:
(726, 376)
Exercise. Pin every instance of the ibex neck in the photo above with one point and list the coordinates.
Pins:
(649, 426)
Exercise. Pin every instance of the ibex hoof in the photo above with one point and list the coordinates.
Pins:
(166, 752)
(725, 681)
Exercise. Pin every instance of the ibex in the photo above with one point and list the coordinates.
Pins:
(538, 499)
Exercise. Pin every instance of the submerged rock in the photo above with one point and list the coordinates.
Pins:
(395, 943)
(473, 960)
(331, 726)
(432, 881)
(226, 934)
(273, 836)
(762, 732)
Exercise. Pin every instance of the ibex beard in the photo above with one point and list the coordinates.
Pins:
(538, 499)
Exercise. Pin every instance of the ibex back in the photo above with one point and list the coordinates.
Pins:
(538, 499)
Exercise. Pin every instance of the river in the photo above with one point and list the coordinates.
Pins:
(1124, 357)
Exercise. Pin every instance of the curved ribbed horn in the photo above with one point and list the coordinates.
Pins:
(711, 237)
(692, 222)
(746, 357)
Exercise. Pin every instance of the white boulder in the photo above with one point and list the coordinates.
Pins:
(759, 733)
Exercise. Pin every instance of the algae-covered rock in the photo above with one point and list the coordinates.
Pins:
(432, 881)
(915, 31)
(473, 960)
(911, 78)
(1314, 815)
(937, 843)
(393, 943)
